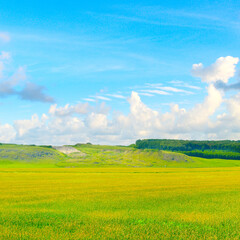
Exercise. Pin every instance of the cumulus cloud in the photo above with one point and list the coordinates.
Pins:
(79, 109)
(199, 117)
(7, 133)
(216, 117)
(24, 126)
(221, 70)
(67, 110)
(62, 126)
(93, 124)
(97, 122)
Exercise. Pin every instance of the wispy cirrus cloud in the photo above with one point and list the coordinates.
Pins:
(154, 91)
(178, 83)
(201, 18)
(191, 86)
(89, 99)
(158, 22)
(175, 90)
(116, 96)
(145, 94)
(103, 98)
(159, 16)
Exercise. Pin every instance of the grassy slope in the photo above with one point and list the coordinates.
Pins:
(114, 156)
(101, 156)
(12, 155)
(117, 203)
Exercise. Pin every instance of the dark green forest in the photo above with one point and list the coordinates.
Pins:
(225, 149)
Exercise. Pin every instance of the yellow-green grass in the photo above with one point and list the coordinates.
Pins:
(12, 155)
(116, 156)
(97, 156)
(120, 203)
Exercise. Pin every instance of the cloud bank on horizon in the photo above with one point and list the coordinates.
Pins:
(216, 117)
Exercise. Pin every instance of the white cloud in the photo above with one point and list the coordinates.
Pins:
(176, 90)
(216, 117)
(103, 98)
(221, 70)
(7, 133)
(62, 127)
(23, 126)
(153, 85)
(199, 116)
(191, 86)
(146, 94)
(80, 108)
(97, 122)
(89, 99)
(178, 83)
(159, 92)
(116, 96)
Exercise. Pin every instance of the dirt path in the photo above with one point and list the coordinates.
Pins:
(66, 149)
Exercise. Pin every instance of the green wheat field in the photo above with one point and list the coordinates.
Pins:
(106, 192)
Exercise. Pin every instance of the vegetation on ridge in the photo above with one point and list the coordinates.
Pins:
(88, 155)
(224, 149)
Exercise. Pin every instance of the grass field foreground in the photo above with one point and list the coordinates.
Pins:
(120, 203)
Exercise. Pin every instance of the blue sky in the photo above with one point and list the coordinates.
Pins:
(75, 52)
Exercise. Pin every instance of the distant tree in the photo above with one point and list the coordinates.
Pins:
(133, 145)
(225, 149)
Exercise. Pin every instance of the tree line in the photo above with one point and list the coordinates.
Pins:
(226, 149)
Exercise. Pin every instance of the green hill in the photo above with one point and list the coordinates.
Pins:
(88, 155)
(120, 156)
(28, 155)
